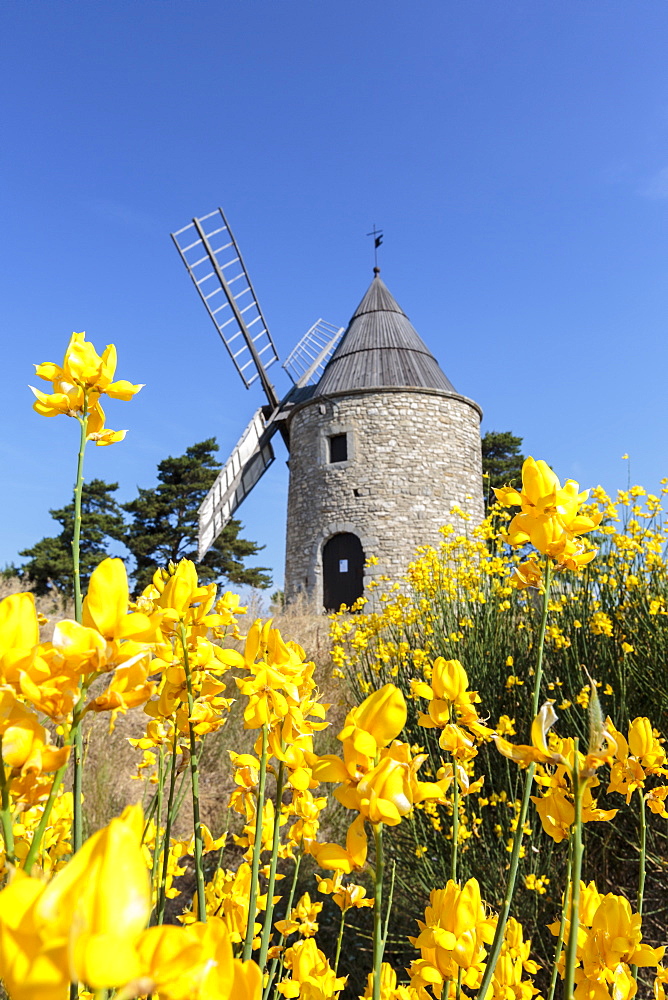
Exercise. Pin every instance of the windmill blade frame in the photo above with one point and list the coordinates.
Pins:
(249, 460)
(306, 362)
(213, 260)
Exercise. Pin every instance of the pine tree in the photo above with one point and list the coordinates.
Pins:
(50, 560)
(501, 461)
(164, 523)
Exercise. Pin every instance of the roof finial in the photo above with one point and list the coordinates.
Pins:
(377, 240)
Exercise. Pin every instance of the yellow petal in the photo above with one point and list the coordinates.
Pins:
(122, 390)
(106, 604)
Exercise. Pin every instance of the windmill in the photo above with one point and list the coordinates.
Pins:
(213, 259)
(382, 446)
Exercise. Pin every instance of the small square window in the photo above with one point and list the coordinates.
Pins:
(338, 448)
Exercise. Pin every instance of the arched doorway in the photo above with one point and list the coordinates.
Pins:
(342, 570)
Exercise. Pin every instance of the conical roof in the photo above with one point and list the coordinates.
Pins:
(381, 348)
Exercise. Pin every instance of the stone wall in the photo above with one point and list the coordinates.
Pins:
(412, 455)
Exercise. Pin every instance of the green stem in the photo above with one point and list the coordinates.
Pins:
(148, 815)
(77, 761)
(160, 915)
(378, 944)
(643, 860)
(76, 536)
(455, 814)
(257, 846)
(77, 789)
(455, 821)
(524, 808)
(388, 908)
(57, 781)
(158, 819)
(291, 899)
(44, 821)
(182, 788)
(269, 912)
(535, 701)
(571, 947)
(339, 941)
(643, 853)
(446, 989)
(459, 983)
(194, 780)
(562, 927)
(7, 822)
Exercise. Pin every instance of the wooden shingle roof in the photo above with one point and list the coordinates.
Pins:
(381, 348)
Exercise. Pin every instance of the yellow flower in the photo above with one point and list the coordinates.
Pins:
(311, 975)
(506, 726)
(84, 368)
(550, 515)
(227, 896)
(600, 623)
(19, 633)
(536, 883)
(100, 903)
(195, 963)
(78, 385)
(555, 807)
(30, 968)
(513, 960)
(97, 432)
(85, 923)
(455, 930)
(351, 896)
(450, 700)
(527, 574)
(129, 686)
(457, 742)
(615, 939)
(332, 857)
(645, 746)
(656, 800)
(376, 722)
(385, 793)
(647, 756)
(302, 919)
(24, 746)
(389, 990)
(449, 680)
(105, 607)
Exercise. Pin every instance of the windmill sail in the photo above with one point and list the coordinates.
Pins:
(214, 262)
(307, 360)
(251, 457)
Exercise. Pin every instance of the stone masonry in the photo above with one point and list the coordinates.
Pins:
(412, 454)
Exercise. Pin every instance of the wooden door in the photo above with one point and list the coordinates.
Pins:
(343, 571)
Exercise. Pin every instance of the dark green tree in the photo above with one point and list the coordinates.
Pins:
(49, 561)
(164, 523)
(501, 461)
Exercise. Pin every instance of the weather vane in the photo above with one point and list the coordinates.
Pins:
(377, 241)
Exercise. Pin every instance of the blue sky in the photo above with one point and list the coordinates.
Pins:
(515, 153)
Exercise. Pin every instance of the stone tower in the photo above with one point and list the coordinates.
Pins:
(381, 448)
